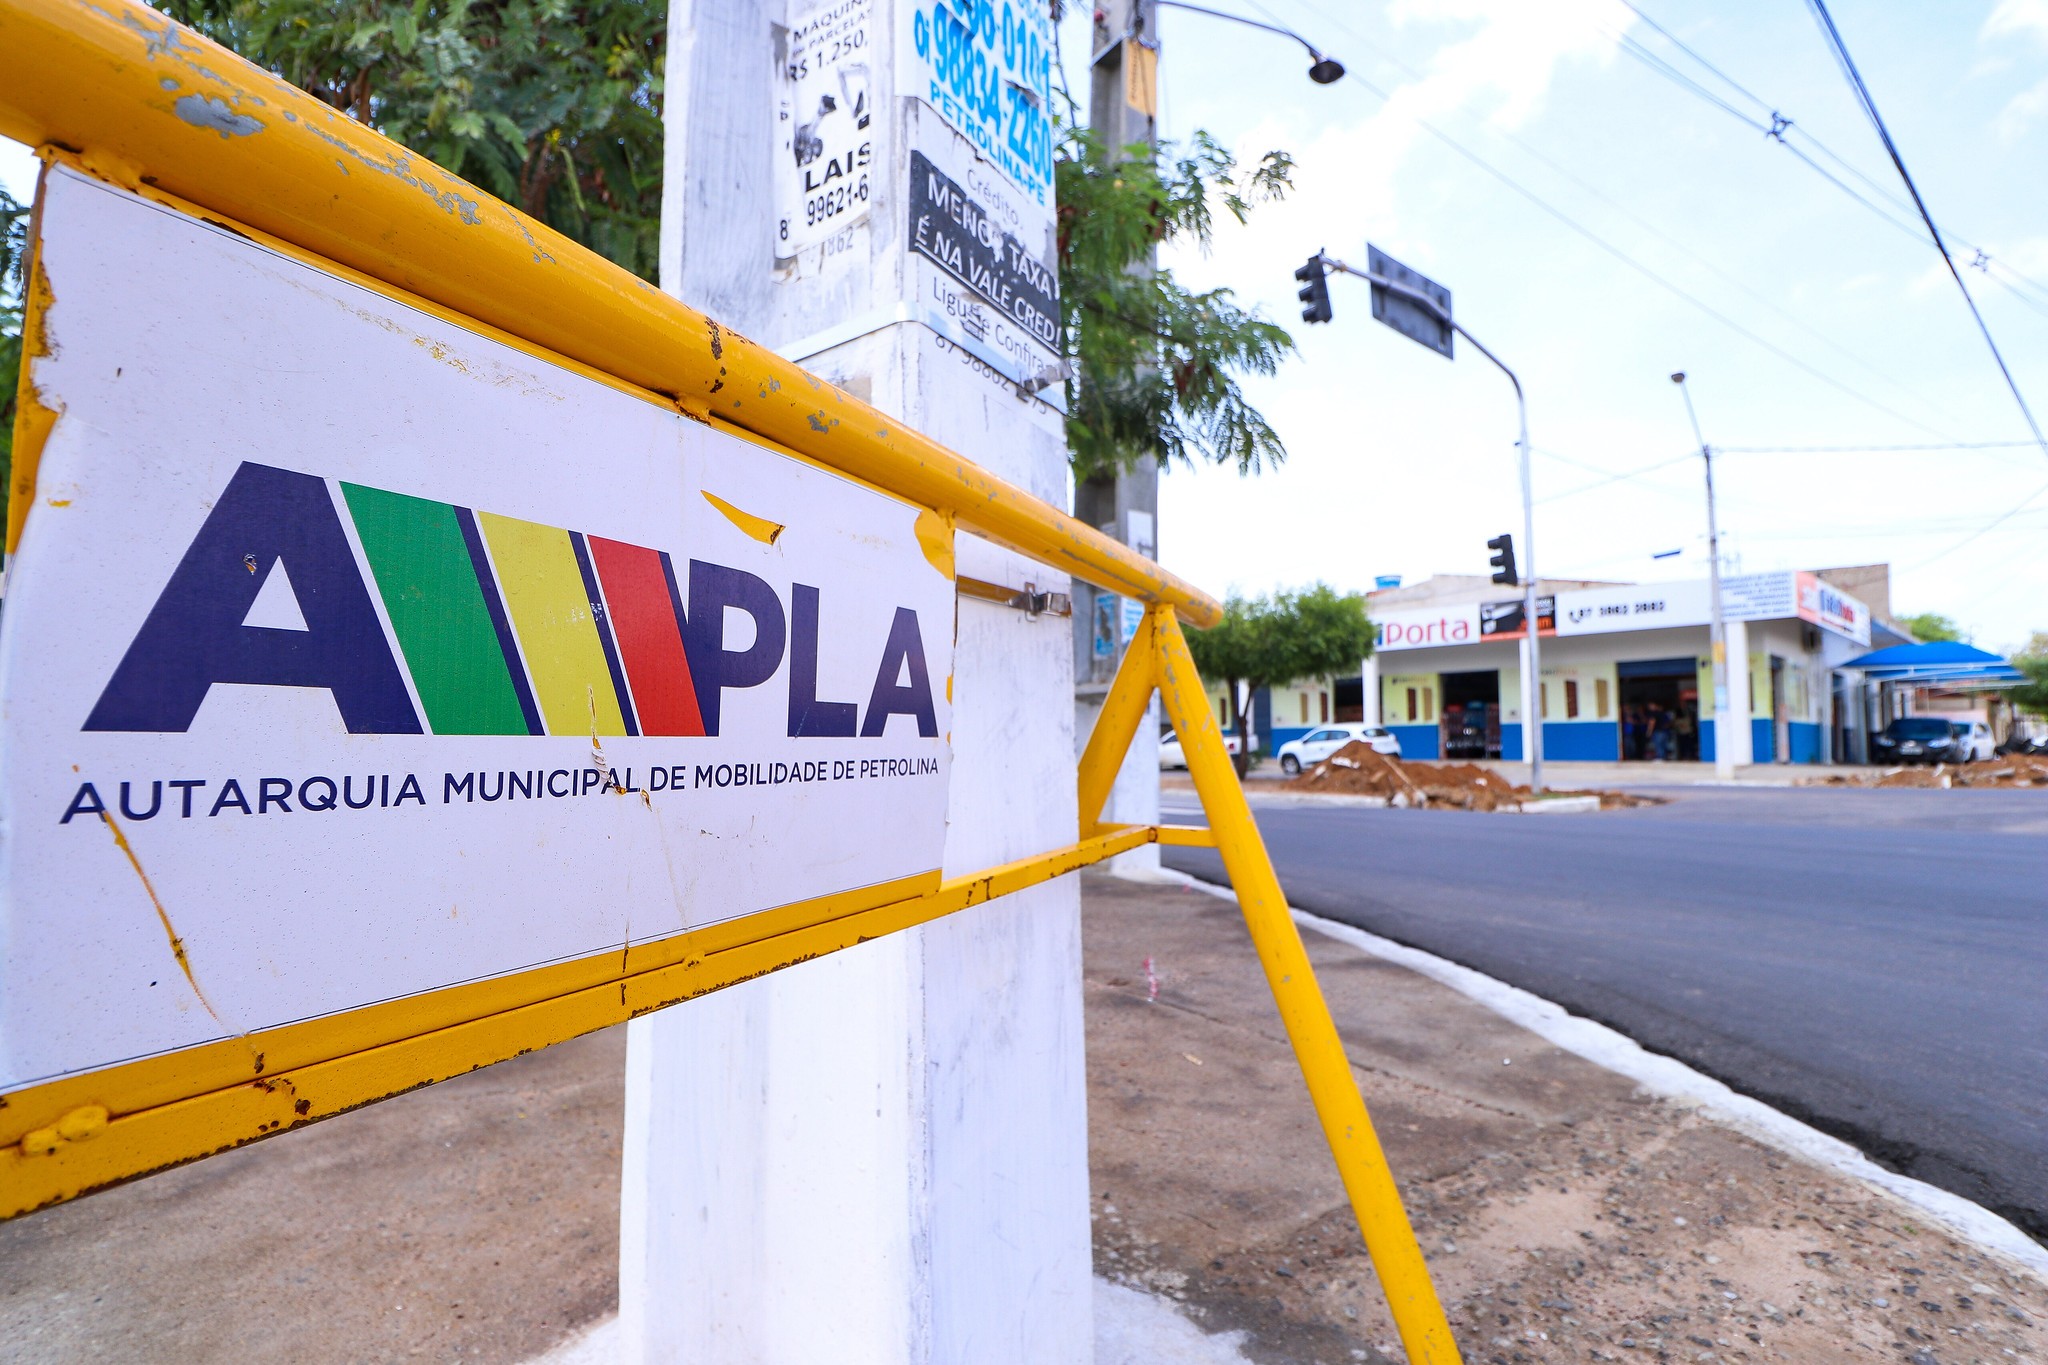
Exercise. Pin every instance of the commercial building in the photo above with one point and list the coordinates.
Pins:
(1627, 671)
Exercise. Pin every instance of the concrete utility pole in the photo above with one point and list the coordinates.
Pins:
(1727, 746)
(1123, 104)
(881, 1156)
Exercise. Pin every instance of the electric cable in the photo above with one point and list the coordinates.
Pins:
(1981, 531)
(1608, 247)
(1848, 63)
(1612, 476)
(1784, 130)
(1872, 450)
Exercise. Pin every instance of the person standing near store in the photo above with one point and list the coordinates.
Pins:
(1657, 727)
(1686, 731)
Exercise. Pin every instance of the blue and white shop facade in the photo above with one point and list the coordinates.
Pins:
(1622, 664)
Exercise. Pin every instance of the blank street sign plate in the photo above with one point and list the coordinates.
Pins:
(1404, 315)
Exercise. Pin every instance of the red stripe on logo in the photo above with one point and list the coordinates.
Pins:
(643, 618)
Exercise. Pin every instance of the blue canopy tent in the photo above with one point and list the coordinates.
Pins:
(1948, 664)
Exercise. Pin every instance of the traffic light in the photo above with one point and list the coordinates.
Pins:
(1503, 560)
(1315, 290)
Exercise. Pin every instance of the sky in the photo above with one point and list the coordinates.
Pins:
(1628, 228)
(1401, 462)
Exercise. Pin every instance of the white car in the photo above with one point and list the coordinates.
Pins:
(1973, 742)
(1320, 743)
(1170, 755)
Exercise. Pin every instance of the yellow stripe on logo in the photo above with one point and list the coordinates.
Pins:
(550, 610)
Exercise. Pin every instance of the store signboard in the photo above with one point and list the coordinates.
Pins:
(1829, 607)
(1503, 620)
(1758, 596)
(351, 654)
(1638, 606)
(1428, 628)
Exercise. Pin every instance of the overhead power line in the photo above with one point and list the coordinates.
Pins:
(1794, 138)
(1985, 529)
(1863, 96)
(1872, 450)
(1607, 246)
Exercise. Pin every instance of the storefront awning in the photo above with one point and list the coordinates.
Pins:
(1939, 663)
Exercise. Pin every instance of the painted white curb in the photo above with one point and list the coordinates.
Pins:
(1674, 1080)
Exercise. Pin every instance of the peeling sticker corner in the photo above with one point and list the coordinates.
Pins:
(935, 538)
(34, 419)
(760, 528)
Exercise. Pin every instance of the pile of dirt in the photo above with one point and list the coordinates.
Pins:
(1358, 769)
(2011, 770)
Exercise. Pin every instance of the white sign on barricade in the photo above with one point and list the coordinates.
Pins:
(352, 653)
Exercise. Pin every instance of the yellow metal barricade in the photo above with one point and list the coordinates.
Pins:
(118, 91)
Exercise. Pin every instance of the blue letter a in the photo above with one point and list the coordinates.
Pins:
(194, 636)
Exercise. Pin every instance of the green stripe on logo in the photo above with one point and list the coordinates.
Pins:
(430, 591)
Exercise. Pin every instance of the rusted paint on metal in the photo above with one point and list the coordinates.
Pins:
(163, 917)
(153, 1138)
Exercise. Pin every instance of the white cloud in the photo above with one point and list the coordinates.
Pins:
(1509, 62)
(2017, 17)
(1345, 174)
(2011, 21)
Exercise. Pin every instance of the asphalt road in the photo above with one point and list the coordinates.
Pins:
(1872, 962)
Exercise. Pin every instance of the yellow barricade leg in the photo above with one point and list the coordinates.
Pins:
(1123, 711)
(1360, 1160)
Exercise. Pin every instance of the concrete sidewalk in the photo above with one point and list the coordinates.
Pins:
(1567, 1217)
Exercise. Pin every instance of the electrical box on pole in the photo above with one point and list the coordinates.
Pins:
(1315, 290)
(1503, 560)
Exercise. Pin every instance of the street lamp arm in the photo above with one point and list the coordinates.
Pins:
(1326, 68)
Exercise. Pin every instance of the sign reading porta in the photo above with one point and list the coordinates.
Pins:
(352, 654)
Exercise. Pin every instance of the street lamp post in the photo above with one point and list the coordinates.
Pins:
(1724, 740)
(1532, 645)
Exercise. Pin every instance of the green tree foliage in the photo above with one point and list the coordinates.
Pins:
(553, 107)
(13, 260)
(2032, 661)
(1929, 626)
(1263, 641)
(1155, 366)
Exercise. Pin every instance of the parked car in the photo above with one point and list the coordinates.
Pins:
(1319, 744)
(1973, 741)
(1170, 755)
(1916, 739)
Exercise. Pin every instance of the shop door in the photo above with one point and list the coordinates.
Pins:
(1660, 709)
(1471, 714)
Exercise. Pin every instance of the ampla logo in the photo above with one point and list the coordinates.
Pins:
(503, 626)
